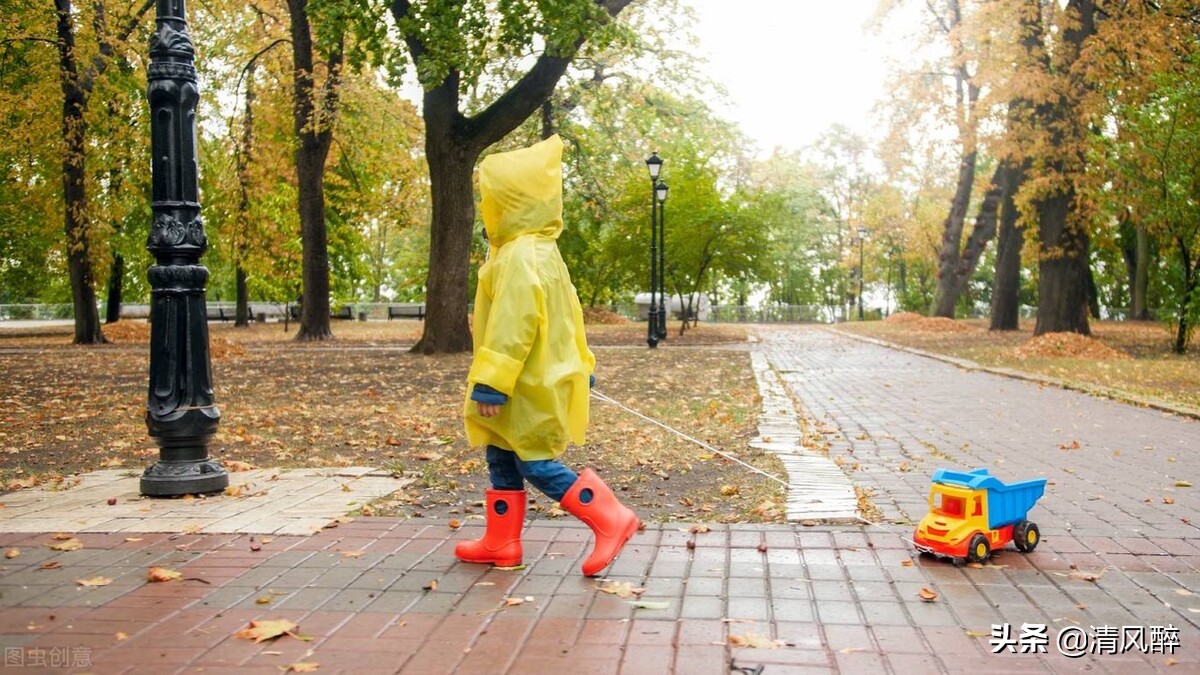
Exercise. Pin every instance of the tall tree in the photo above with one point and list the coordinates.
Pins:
(314, 112)
(1063, 237)
(77, 78)
(450, 43)
(1015, 166)
(954, 264)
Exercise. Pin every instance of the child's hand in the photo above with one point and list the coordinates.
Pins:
(487, 409)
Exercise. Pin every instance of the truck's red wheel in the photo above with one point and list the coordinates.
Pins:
(1026, 536)
(979, 549)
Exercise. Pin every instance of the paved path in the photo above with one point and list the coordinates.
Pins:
(836, 598)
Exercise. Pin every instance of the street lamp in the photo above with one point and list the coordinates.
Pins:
(654, 166)
(660, 191)
(862, 237)
(181, 414)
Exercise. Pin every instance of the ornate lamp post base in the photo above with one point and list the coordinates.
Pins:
(174, 479)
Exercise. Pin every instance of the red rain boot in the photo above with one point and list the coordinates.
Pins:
(501, 543)
(611, 521)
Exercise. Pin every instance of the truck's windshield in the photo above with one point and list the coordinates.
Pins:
(946, 505)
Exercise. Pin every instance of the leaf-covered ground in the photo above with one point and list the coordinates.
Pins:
(363, 399)
(1133, 358)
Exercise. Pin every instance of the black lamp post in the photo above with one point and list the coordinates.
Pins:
(862, 237)
(181, 414)
(660, 191)
(654, 165)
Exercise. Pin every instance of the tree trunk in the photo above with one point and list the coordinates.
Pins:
(245, 152)
(75, 219)
(1063, 238)
(945, 297)
(1006, 291)
(450, 169)
(1184, 328)
(314, 132)
(1062, 269)
(243, 298)
(1139, 310)
(115, 278)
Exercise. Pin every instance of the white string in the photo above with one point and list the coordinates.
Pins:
(684, 436)
(602, 397)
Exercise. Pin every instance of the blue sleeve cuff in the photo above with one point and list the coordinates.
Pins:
(591, 381)
(482, 393)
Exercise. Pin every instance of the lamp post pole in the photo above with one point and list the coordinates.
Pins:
(181, 414)
(660, 192)
(862, 237)
(654, 166)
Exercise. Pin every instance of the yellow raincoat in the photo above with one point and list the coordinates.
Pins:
(529, 339)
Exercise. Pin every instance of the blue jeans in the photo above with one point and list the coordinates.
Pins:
(509, 472)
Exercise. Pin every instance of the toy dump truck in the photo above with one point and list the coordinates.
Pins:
(973, 513)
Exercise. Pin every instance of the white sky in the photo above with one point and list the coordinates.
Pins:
(793, 68)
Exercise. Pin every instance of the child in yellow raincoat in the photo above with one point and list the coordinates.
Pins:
(528, 387)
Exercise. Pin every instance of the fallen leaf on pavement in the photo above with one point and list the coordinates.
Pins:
(70, 544)
(12, 553)
(1079, 575)
(928, 595)
(94, 581)
(1182, 483)
(303, 667)
(699, 529)
(268, 630)
(650, 604)
(754, 641)
(158, 574)
(431, 586)
(622, 589)
(52, 565)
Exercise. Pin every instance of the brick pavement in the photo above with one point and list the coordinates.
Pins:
(840, 598)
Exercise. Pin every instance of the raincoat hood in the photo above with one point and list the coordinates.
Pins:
(521, 192)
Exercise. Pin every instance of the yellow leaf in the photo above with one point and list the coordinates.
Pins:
(61, 536)
(94, 581)
(352, 554)
(267, 630)
(121, 637)
(729, 490)
(754, 641)
(12, 553)
(1182, 483)
(928, 595)
(622, 589)
(699, 529)
(303, 667)
(158, 574)
(70, 544)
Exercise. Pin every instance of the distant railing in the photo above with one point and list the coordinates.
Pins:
(36, 312)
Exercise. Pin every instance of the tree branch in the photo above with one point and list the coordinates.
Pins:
(516, 105)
